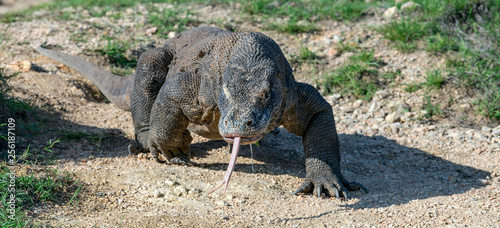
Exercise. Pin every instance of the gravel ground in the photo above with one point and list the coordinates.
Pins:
(439, 172)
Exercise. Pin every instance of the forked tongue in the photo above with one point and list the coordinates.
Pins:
(230, 167)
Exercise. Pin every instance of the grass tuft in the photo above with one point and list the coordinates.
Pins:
(360, 77)
(434, 79)
(431, 109)
(171, 20)
(404, 33)
(29, 191)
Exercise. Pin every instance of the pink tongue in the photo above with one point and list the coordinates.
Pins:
(232, 162)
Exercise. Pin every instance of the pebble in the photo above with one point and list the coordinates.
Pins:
(374, 107)
(357, 103)
(381, 95)
(333, 98)
(157, 194)
(409, 7)
(23, 66)
(391, 12)
(152, 30)
(392, 117)
(221, 203)
(180, 190)
(496, 131)
(171, 34)
(169, 183)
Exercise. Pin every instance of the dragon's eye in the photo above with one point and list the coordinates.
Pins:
(264, 95)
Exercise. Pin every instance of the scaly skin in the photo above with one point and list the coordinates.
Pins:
(223, 85)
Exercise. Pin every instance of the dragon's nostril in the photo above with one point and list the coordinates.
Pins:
(249, 123)
(225, 123)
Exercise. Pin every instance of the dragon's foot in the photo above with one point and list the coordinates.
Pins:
(321, 179)
(330, 188)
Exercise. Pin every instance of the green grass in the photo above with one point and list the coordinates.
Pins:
(30, 191)
(12, 105)
(344, 46)
(304, 55)
(26, 191)
(405, 33)
(301, 16)
(466, 32)
(360, 78)
(171, 19)
(115, 51)
(413, 87)
(441, 44)
(431, 109)
(483, 76)
(434, 79)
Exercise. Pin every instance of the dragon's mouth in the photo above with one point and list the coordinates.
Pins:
(244, 140)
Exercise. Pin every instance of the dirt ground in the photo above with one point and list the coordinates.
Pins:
(444, 172)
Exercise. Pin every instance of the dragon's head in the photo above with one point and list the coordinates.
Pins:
(250, 100)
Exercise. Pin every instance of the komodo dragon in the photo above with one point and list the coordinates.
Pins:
(235, 86)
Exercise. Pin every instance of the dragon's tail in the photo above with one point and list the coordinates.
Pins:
(117, 89)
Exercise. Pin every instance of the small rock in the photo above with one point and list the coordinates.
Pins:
(327, 40)
(171, 35)
(357, 103)
(13, 66)
(496, 131)
(392, 117)
(486, 129)
(153, 31)
(348, 54)
(348, 109)
(336, 96)
(180, 190)
(355, 114)
(221, 203)
(409, 7)
(465, 106)
(395, 126)
(332, 52)
(194, 191)
(158, 194)
(85, 13)
(484, 182)
(333, 98)
(380, 114)
(380, 95)
(391, 12)
(101, 194)
(374, 107)
(170, 183)
(23, 66)
(400, 1)
(336, 39)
